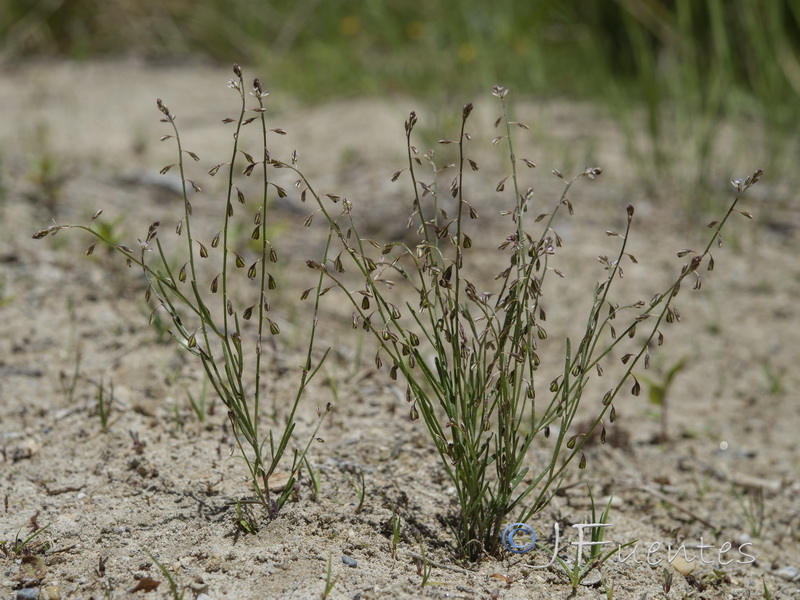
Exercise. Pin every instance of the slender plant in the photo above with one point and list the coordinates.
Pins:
(753, 507)
(70, 382)
(173, 586)
(207, 318)
(397, 524)
(470, 359)
(200, 405)
(330, 580)
(105, 400)
(424, 567)
(357, 481)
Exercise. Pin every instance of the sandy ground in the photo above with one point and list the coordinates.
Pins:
(159, 483)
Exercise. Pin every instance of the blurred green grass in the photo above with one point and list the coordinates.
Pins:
(683, 67)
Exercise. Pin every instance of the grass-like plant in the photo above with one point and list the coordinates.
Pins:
(396, 524)
(105, 401)
(26, 545)
(208, 312)
(330, 580)
(577, 569)
(173, 586)
(200, 405)
(753, 507)
(470, 358)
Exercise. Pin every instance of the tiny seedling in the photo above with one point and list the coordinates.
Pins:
(767, 594)
(753, 510)
(173, 587)
(176, 414)
(598, 533)
(314, 478)
(667, 584)
(47, 171)
(5, 299)
(199, 405)
(424, 567)
(608, 588)
(659, 391)
(111, 231)
(702, 483)
(244, 520)
(69, 382)
(396, 528)
(581, 566)
(24, 546)
(775, 377)
(360, 488)
(330, 581)
(105, 399)
(716, 577)
(332, 381)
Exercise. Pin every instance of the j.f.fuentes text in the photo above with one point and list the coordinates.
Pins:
(653, 553)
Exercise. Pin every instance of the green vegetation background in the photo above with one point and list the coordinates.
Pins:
(690, 64)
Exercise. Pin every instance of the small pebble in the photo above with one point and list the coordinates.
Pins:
(28, 594)
(203, 597)
(744, 538)
(616, 501)
(277, 482)
(592, 578)
(22, 450)
(52, 592)
(350, 562)
(788, 573)
(683, 566)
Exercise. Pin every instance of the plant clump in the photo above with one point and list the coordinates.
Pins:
(210, 315)
(469, 358)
